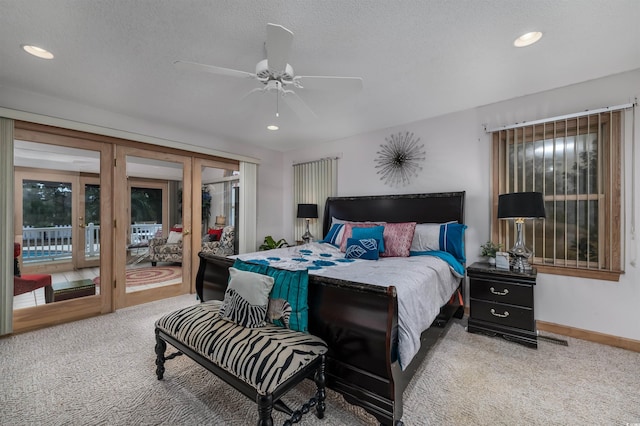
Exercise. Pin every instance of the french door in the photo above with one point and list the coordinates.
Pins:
(153, 226)
(114, 196)
(62, 212)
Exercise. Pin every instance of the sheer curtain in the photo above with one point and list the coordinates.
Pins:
(313, 182)
(6, 226)
(248, 207)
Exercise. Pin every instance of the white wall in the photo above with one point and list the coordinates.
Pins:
(458, 158)
(269, 178)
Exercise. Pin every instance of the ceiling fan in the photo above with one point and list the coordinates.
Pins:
(278, 76)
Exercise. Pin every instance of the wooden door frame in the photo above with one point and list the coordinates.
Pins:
(26, 319)
(121, 186)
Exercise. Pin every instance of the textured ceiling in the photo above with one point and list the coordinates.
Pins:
(418, 58)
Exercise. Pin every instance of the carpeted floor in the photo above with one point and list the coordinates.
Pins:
(101, 371)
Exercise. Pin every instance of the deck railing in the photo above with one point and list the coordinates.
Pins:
(56, 243)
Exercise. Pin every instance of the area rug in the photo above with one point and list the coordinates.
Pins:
(150, 275)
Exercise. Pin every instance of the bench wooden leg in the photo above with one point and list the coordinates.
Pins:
(161, 347)
(265, 406)
(320, 380)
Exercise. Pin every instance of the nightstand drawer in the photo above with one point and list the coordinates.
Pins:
(502, 292)
(506, 315)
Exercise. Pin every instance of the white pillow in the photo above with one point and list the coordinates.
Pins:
(426, 237)
(174, 237)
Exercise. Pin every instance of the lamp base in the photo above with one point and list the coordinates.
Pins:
(520, 263)
(520, 254)
(307, 237)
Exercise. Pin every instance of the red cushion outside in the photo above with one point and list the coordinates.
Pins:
(216, 234)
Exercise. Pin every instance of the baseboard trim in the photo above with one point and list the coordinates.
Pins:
(591, 336)
(578, 333)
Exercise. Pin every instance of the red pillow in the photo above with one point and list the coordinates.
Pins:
(397, 239)
(215, 234)
(176, 229)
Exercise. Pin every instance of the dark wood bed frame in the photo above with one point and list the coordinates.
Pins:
(358, 321)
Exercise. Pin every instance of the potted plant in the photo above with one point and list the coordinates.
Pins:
(270, 243)
(489, 250)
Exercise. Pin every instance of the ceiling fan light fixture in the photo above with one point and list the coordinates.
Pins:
(272, 127)
(37, 51)
(527, 39)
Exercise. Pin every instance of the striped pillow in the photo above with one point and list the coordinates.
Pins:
(246, 298)
(334, 236)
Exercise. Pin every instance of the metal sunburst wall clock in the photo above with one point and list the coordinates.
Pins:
(399, 159)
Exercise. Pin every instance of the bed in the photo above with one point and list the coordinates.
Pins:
(360, 321)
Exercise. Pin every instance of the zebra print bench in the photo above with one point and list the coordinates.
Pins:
(262, 363)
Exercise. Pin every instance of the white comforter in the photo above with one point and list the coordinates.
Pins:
(423, 283)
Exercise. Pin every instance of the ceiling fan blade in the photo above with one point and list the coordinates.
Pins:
(344, 84)
(251, 92)
(193, 66)
(279, 40)
(295, 102)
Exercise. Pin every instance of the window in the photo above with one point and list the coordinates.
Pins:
(576, 164)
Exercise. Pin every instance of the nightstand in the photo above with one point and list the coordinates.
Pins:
(501, 303)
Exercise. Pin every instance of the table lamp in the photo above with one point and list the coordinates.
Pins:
(520, 206)
(307, 212)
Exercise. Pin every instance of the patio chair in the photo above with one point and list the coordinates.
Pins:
(223, 247)
(166, 249)
(27, 283)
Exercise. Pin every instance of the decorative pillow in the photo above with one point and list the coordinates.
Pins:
(375, 232)
(452, 240)
(176, 228)
(334, 236)
(348, 231)
(448, 237)
(362, 249)
(174, 237)
(426, 237)
(246, 298)
(292, 286)
(214, 234)
(335, 220)
(397, 239)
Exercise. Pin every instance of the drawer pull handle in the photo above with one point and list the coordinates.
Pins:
(495, 314)
(503, 293)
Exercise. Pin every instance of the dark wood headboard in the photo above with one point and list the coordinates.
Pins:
(437, 207)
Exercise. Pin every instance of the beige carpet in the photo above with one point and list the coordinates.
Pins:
(101, 371)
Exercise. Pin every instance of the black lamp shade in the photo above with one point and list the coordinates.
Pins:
(526, 205)
(308, 211)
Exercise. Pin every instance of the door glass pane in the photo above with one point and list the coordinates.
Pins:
(154, 239)
(58, 224)
(46, 221)
(91, 222)
(219, 209)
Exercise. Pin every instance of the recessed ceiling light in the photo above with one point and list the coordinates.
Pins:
(272, 127)
(527, 39)
(37, 51)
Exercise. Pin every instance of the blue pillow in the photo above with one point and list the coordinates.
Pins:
(362, 249)
(292, 286)
(375, 232)
(452, 239)
(333, 234)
